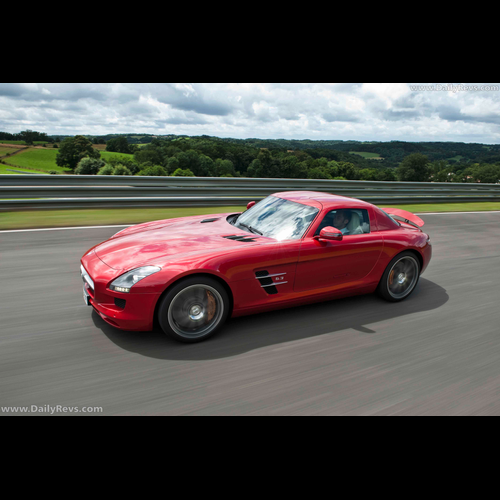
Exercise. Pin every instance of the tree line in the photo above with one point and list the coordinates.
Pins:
(417, 168)
(208, 157)
(28, 136)
(392, 152)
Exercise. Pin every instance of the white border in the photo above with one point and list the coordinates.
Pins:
(61, 228)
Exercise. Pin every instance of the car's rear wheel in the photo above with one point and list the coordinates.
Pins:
(400, 277)
(194, 309)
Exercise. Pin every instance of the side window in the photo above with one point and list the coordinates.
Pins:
(349, 221)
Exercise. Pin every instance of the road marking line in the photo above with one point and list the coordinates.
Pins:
(61, 228)
(452, 213)
(129, 225)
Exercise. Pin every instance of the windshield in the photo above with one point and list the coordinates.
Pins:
(277, 218)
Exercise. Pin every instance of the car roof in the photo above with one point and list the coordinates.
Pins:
(326, 199)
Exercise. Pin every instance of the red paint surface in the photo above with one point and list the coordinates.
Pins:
(315, 270)
(405, 215)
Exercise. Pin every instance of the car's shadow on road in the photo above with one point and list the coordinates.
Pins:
(247, 333)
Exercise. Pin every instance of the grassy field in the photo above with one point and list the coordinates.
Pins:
(44, 159)
(365, 154)
(4, 150)
(4, 170)
(102, 149)
(98, 217)
(37, 159)
(22, 143)
(106, 155)
(448, 207)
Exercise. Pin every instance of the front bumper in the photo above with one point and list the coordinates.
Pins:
(126, 311)
(86, 296)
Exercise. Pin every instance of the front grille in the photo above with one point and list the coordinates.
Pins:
(121, 303)
(90, 291)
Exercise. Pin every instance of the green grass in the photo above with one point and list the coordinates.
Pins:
(45, 159)
(4, 170)
(4, 150)
(37, 159)
(105, 155)
(100, 217)
(449, 207)
(365, 154)
(22, 142)
(457, 157)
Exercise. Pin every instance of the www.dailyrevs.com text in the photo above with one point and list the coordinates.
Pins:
(455, 88)
(51, 410)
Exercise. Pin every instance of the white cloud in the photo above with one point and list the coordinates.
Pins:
(388, 92)
(359, 111)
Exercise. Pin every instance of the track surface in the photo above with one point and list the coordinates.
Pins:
(437, 353)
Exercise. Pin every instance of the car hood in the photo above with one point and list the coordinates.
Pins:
(173, 239)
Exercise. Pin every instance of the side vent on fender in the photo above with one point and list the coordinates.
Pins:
(267, 283)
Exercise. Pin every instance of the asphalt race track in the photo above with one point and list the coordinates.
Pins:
(436, 353)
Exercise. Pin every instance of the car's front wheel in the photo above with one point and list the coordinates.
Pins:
(194, 309)
(400, 277)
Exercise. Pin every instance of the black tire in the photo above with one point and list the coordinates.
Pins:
(194, 309)
(400, 277)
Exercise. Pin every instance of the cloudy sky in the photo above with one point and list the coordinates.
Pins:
(346, 111)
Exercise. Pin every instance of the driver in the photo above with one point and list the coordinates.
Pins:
(341, 219)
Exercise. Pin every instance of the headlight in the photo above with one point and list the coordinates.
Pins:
(126, 281)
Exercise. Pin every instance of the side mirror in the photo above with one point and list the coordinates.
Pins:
(330, 233)
(250, 205)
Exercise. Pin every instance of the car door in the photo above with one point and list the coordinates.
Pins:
(324, 264)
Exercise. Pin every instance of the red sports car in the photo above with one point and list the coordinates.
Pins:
(291, 248)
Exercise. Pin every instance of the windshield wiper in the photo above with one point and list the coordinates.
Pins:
(251, 229)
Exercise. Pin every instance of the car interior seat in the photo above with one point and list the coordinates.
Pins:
(354, 225)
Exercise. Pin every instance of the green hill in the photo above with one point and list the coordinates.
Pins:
(36, 159)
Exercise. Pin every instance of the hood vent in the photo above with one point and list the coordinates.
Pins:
(209, 220)
(244, 239)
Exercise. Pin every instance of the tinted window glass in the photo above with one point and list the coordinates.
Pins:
(349, 221)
